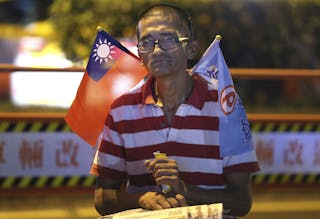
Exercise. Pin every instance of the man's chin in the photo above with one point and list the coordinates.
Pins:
(157, 72)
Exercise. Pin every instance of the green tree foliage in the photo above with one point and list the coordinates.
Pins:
(256, 33)
(76, 22)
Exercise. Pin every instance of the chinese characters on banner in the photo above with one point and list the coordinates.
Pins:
(49, 154)
(288, 152)
(2, 160)
(31, 154)
(65, 154)
(316, 161)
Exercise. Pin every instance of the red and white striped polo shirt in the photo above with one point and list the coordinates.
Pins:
(136, 127)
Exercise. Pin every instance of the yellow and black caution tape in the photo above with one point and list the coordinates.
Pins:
(34, 127)
(89, 181)
(285, 127)
(286, 178)
(47, 181)
(63, 127)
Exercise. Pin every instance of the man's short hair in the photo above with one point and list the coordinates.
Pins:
(169, 9)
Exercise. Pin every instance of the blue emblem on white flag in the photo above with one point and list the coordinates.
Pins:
(234, 129)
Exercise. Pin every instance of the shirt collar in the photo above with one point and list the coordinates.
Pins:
(199, 93)
(197, 98)
(146, 92)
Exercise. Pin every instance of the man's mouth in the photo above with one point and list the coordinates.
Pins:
(159, 62)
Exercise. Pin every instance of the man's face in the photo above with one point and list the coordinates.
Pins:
(161, 62)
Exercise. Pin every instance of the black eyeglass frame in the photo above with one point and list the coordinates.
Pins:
(158, 42)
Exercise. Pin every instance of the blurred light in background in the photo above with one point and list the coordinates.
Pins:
(52, 89)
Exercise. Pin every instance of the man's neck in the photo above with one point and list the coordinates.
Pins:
(173, 90)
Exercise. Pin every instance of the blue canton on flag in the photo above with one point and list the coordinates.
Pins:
(104, 53)
(234, 129)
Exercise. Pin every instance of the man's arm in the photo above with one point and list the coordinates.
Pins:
(236, 197)
(110, 197)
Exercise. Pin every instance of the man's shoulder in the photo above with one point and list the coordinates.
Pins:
(129, 98)
(132, 97)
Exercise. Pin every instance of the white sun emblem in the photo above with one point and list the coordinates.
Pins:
(103, 51)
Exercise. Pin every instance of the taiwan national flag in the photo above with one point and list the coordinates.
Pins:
(111, 71)
(234, 129)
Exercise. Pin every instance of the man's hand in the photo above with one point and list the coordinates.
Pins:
(165, 171)
(157, 201)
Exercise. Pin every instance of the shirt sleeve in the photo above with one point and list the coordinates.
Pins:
(109, 160)
(244, 162)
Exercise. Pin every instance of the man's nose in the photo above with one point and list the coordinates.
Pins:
(157, 48)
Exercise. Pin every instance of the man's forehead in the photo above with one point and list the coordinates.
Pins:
(150, 27)
(170, 14)
(161, 14)
(160, 20)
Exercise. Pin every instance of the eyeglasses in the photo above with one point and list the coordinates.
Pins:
(146, 46)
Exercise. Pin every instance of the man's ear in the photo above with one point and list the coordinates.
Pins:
(193, 49)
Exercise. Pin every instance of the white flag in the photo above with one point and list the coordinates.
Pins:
(234, 129)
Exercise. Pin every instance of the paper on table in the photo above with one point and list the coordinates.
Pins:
(212, 211)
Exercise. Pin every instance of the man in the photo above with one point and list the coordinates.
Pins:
(172, 113)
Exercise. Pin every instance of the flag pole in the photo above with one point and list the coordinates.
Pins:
(218, 37)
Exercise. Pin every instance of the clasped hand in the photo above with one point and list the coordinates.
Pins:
(165, 171)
